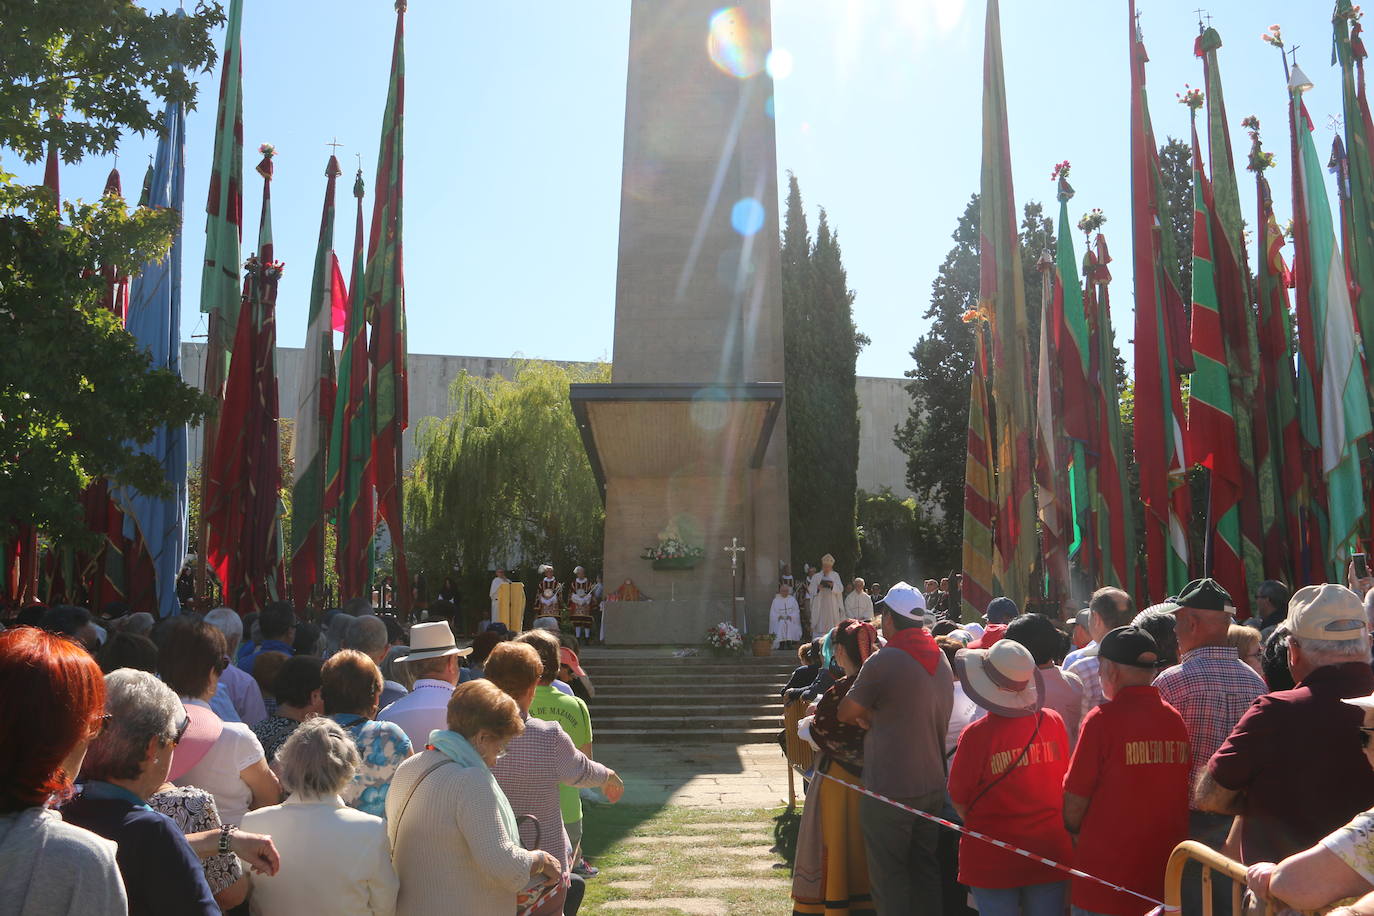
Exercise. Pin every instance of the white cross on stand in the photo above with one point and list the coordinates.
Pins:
(735, 549)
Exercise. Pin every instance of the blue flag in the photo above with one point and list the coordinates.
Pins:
(155, 322)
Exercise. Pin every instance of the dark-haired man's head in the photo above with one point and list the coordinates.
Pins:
(277, 621)
(1271, 599)
(1040, 637)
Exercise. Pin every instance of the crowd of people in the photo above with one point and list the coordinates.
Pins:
(1098, 743)
(265, 765)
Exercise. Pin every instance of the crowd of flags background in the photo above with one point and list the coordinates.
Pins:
(1259, 377)
(1267, 393)
(348, 428)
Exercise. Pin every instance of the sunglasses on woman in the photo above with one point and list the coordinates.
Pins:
(102, 722)
(221, 663)
(1364, 735)
(181, 730)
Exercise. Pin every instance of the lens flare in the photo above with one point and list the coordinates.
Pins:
(768, 107)
(779, 65)
(746, 216)
(709, 412)
(734, 45)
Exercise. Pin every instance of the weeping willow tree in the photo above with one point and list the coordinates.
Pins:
(504, 479)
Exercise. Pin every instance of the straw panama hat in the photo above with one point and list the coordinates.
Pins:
(431, 640)
(1003, 679)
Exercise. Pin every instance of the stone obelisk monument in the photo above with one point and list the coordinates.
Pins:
(689, 438)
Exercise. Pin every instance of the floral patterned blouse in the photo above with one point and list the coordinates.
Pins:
(193, 811)
(382, 747)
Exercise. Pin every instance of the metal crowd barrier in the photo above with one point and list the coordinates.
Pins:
(799, 753)
(1212, 861)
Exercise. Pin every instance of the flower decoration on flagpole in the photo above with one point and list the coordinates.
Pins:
(1061, 170)
(1091, 222)
(1274, 36)
(1353, 14)
(1190, 97)
(1259, 159)
(725, 637)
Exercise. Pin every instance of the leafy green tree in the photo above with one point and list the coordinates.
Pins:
(821, 346)
(935, 434)
(75, 389)
(1176, 168)
(505, 477)
(895, 538)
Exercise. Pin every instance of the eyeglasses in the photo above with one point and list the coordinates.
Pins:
(102, 722)
(1364, 735)
(181, 730)
(221, 663)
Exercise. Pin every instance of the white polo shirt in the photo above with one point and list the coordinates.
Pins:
(423, 710)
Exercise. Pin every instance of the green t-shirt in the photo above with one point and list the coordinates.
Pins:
(572, 715)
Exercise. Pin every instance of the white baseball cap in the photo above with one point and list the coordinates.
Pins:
(906, 600)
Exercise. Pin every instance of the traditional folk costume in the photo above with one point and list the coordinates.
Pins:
(826, 593)
(784, 620)
(546, 610)
(580, 604)
(830, 875)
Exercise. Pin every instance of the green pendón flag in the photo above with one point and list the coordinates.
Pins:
(221, 275)
(1073, 354)
(1360, 243)
(315, 408)
(1258, 500)
(348, 478)
(1343, 399)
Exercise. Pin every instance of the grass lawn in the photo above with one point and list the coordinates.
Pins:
(709, 860)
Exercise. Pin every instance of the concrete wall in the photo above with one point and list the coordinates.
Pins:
(883, 404)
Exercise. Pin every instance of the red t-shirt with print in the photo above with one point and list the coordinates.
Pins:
(1131, 763)
(1024, 805)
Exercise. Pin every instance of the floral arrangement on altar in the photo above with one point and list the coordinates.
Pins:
(724, 638)
(672, 549)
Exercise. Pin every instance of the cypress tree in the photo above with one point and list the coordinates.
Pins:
(821, 347)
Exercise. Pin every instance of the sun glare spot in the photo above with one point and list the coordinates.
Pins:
(779, 63)
(735, 46)
(746, 216)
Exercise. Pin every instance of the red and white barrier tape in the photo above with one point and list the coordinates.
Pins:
(959, 828)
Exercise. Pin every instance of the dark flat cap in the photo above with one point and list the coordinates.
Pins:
(1206, 595)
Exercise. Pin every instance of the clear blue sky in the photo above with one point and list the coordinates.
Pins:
(514, 132)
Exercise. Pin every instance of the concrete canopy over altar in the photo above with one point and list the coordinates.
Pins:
(689, 439)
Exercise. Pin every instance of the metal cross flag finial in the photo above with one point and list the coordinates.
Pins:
(335, 144)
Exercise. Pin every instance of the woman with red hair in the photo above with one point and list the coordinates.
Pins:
(53, 705)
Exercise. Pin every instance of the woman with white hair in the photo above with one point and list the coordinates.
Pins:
(336, 859)
(126, 765)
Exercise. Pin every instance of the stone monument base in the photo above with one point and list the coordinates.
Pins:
(671, 623)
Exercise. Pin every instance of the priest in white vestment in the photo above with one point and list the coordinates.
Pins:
(784, 618)
(858, 604)
(496, 584)
(825, 592)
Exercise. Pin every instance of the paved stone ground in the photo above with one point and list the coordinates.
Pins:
(700, 776)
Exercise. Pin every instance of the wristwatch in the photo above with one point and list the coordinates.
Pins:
(225, 832)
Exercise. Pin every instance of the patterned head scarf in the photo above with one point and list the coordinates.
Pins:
(867, 637)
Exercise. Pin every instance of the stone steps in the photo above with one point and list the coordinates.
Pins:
(688, 681)
(614, 699)
(732, 719)
(687, 735)
(643, 697)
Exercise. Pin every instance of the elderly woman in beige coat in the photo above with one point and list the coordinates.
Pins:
(453, 834)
